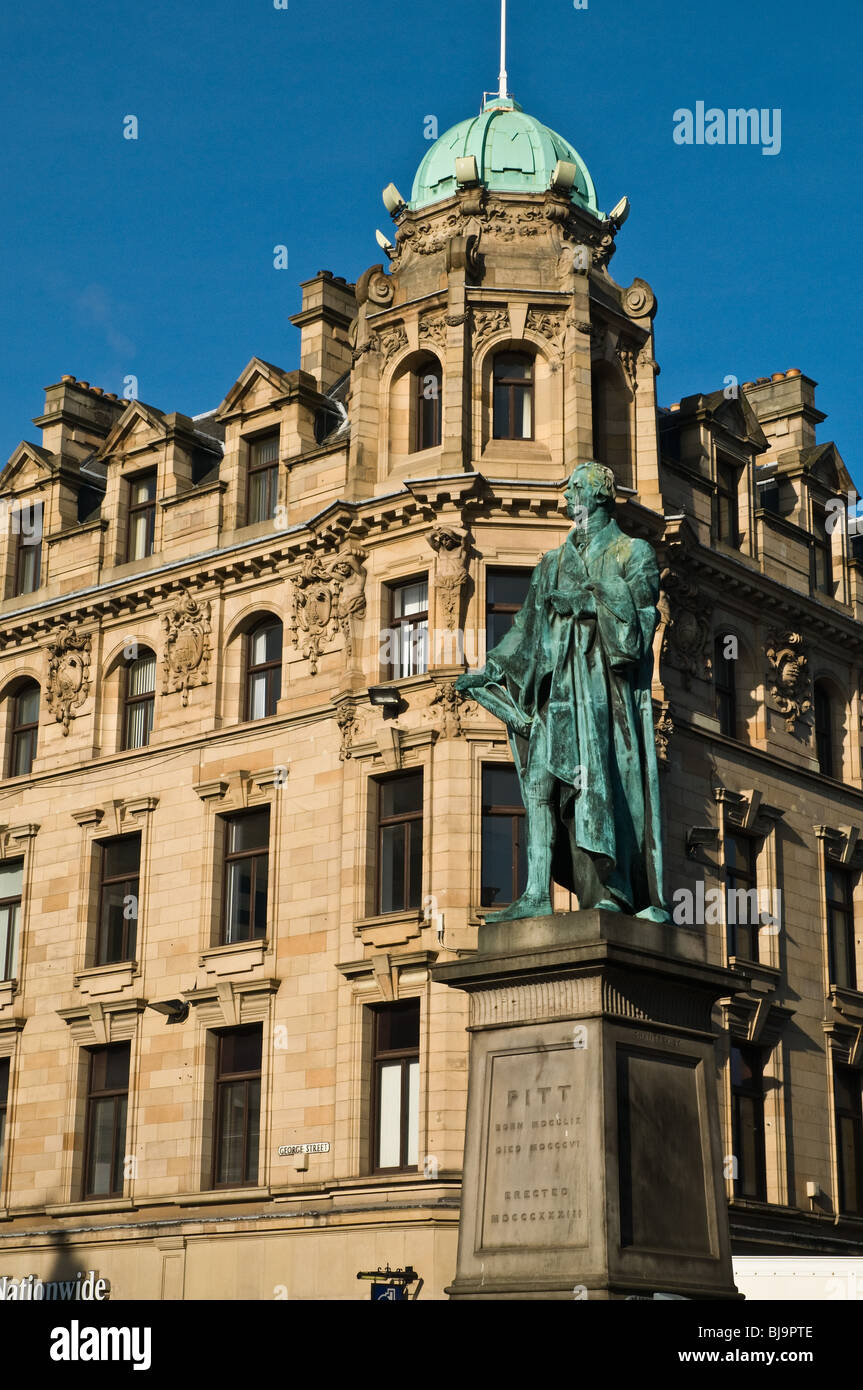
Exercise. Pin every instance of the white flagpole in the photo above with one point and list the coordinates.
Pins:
(502, 92)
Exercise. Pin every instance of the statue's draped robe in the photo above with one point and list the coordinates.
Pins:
(573, 688)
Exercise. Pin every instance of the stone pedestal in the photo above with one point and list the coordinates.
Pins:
(593, 1165)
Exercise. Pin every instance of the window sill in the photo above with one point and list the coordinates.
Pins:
(85, 1206)
(390, 928)
(236, 958)
(107, 979)
(219, 1196)
(763, 978)
(8, 990)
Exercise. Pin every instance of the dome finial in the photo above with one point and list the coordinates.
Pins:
(502, 80)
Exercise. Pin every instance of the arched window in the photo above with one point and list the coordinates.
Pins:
(513, 396)
(25, 729)
(824, 742)
(724, 683)
(264, 669)
(427, 384)
(139, 698)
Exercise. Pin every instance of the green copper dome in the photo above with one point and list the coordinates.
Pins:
(514, 152)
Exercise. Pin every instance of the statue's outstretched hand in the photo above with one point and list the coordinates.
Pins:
(469, 679)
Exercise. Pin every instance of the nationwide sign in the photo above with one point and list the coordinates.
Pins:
(287, 1149)
(30, 1288)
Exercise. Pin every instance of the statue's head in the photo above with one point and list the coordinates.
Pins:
(590, 488)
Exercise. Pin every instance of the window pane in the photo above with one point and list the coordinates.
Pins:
(122, 856)
(28, 706)
(500, 786)
(139, 547)
(11, 875)
(144, 489)
(411, 598)
(496, 887)
(265, 450)
(508, 587)
(9, 940)
(523, 414)
(232, 1113)
(4, 1082)
(266, 644)
(139, 723)
(100, 1177)
(390, 1114)
(240, 1050)
(393, 868)
(501, 426)
(413, 1125)
(398, 1027)
(141, 675)
(258, 696)
(415, 863)
(239, 900)
(262, 495)
(850, 1197)
(115, 1070)
(115, 905)
(259, 925)
(748, 1143)
(513, 366)
(401, 795)
(250, 832)
(253, 1101)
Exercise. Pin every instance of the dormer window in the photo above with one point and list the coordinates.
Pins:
(513, 396)
(727, 505)
(142, 516)
(263, 487)
(28, 561)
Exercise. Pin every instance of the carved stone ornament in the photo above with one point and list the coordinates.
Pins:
(311, 617)
(487, 322)
(349, 584)
(628, 358)
(549, 326)
(391, 340)
(638, 300)
(663, 728)
(346, 718)
(450, 544)
(381, 288)
(186, 659)
(327, 599)
(68, 673)
(790, 684)
(449, 705)
(685, 626)
(433, 330)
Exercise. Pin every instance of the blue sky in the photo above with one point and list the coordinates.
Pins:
(260, 126)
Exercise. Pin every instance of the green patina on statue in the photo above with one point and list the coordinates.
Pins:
(571, 680)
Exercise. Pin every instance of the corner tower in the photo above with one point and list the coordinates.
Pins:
(498, 297)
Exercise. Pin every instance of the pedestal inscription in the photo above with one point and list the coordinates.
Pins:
(534, 1190)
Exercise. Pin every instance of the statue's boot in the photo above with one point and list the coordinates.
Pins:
(535, 901)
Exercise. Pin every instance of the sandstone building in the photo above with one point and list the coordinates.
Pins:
(244, 811)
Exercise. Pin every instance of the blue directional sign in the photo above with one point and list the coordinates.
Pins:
(392, 1293)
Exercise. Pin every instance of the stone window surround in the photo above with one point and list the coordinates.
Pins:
(745, 813)
(842, 847)
(397, 751)
(10, 1029)
(97, 1025)
(17, 842)
(224, 797)
(98, 823)
(844, 1047)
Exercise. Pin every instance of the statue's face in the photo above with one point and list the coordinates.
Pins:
(581, 499)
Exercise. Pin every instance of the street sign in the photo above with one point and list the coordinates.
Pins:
(389, 1293)
(286, 1149)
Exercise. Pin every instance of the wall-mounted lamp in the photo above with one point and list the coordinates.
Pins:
(393, 200)
(563, 176)
(175, 1010)
(699, 835)
(466, 171)
(387, 698)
